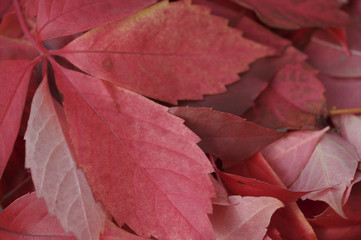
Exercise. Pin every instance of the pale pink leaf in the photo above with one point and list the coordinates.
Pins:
(246, 218)
(54, 172)
(293, 150)
(329, 171)
(350, 127)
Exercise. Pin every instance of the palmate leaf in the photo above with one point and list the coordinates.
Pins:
(141, 162)
(169, 51)
(54, 172)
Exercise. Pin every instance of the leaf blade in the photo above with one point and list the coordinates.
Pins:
(54, 172)
(180, 49)
(150, 158)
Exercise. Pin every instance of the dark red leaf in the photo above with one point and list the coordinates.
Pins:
(293, 100)
(224, 135)
(290, 14)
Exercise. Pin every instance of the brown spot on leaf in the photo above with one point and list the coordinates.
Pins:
(108, 64)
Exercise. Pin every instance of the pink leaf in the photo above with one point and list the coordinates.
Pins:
(66, 17)
(27, 218)
(147, 53)
(342, 93)
(290, 14)
(293, 150)
(14, 86)
(245, 218)
(141, 162)
(227, 136)
(294, 99)
(54, 172)
(330, 170)
(350, 127)
(289, 221)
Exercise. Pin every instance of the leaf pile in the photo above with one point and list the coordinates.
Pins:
(203, 119)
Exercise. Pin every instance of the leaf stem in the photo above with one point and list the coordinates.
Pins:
(25, 29)
(345, 111)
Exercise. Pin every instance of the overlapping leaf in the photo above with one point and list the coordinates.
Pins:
(330, 57)
(245, 218)
(27, 218)
(227, 136)
(289, 221)
(65, 17)
(294, 99)
(350, 127)
(14, 86)
(330, 170)
(327, 55)
(341, 93)
(11, 49)
(141, 162)
(293, 150)
(243, 92)
(54, 172)
(290, 14)
(168, 52)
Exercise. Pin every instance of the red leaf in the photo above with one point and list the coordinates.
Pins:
(294, 99)
(252, 187)
(147, 53)
(242, 93)
(289, 221)
(340, 35)
(245, 218)
(327, 55)
(342, 93)
(293, 150)
(290, 14)
(229, 137)
(141, 162)
(10, 26)
(54, 172)
(14, 85)
(329, 171)
(66, 17)
(12, 48)
(259, 33)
